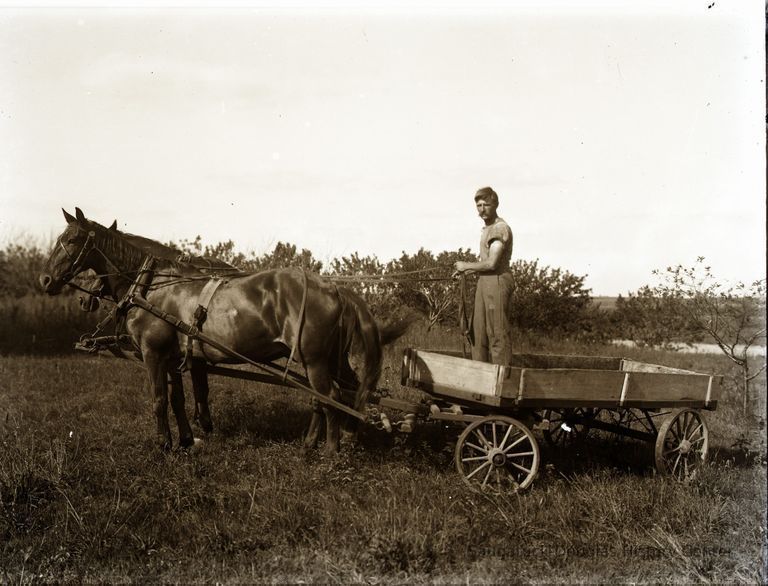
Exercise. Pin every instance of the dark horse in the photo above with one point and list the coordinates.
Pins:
(262, 316)
(184, 265)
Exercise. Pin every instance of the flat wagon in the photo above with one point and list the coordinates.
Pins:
(565, 397)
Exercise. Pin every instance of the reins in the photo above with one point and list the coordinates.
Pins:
(142, 279)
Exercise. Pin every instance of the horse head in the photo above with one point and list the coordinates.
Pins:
(73, 252)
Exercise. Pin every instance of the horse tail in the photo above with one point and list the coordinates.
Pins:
(391, 331)
(362, 331)
(359, 333)
(368, 337)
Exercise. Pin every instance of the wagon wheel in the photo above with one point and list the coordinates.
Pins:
(497, 453)
(682, 444)
(565, 427)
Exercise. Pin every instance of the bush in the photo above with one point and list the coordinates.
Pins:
(650, 319)
(20, 266)
(553, 302)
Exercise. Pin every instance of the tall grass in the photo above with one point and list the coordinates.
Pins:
(38, 324)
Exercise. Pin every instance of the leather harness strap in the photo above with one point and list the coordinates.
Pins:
(302, 312)
(201, 313)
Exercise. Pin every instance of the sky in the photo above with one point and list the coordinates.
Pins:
(621, 137)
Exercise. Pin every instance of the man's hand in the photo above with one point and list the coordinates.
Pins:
(461, 268)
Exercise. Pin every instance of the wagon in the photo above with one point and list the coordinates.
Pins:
(563, 396)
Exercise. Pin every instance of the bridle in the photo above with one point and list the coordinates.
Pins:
(75, 265)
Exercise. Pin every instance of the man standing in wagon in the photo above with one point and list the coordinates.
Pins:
(490, 324)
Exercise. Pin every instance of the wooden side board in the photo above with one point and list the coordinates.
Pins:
(547, 361)
(628, 365)
(626, 384)
(460, 378)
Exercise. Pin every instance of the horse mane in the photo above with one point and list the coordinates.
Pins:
(115, 245)
(133, 248)
(153, 247)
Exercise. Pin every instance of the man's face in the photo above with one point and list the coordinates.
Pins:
(485, 209)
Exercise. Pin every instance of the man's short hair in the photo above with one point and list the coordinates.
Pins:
(488, 195)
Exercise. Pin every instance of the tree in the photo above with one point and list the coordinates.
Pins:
(652, 319)
(733, 316)
(548, 300)
(20, 266)
(365, 276)
(424, 283)
(283, 255)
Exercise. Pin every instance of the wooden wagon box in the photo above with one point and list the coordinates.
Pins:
(542, 381)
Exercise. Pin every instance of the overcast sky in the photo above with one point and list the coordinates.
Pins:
(620, 136)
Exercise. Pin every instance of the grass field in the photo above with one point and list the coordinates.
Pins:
(86, 496)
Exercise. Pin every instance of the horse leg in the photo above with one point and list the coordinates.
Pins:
(200, 388)
(315, 425)
(320, 379)
(347, 380)
(186, 438)
(158, 381)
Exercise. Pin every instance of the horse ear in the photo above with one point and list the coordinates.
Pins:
(68, 217)
(113, 227)
(80, 216)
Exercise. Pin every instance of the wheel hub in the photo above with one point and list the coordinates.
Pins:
(685, 446)
(497, 457)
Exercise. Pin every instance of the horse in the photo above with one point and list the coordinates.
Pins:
(185, 265)
(261, 316)
(343, 374)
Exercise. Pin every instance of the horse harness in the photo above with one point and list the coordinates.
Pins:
(200, 315)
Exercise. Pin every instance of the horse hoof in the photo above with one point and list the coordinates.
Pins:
(331, 452)
(197, 446)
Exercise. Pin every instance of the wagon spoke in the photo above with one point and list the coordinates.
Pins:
(672, 451)
(478, 448)
(493, 430)
(675, 438)
(487, 475)
(482, 438)
(687, 425)
(506, 436)
(677, 461)
(513, 444)
(480, 467)
(519, 454)
(474, 458)
(695, 431)
(698, 440)
(519, 467)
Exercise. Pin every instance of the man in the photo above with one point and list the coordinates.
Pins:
(490, 324)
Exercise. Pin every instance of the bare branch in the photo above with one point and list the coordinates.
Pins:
(755, 375)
